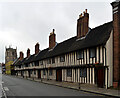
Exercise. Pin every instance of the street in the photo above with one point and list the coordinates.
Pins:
(0, 82)
(21, 87)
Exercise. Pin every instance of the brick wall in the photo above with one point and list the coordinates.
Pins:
(116, 44)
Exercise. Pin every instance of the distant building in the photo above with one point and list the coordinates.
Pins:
(10, 56)
(3, 67)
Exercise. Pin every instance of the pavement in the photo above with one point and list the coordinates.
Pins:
(82, 87)
(21, 87)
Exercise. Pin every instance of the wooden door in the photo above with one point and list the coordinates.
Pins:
(59, 75)
(100, 77)
(39, 74)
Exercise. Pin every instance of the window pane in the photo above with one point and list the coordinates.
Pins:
(80, 54)
(53, 60)
(49, 61)
(50, 72)
(41, 62)
(34, 72)
(83, 72)
(62, 58)
(92, 52)
(80, 72)
(44, 72)
(69, 72)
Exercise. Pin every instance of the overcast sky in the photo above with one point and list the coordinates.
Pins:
(23, 24)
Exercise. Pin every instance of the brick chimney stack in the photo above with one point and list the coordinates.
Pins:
(52, 40)
(83, 24)
(37, 48)
(28, 52)
(116, 43)
(21, 55)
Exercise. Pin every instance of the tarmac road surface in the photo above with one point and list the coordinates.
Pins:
(15, 86)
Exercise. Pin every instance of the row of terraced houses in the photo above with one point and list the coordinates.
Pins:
(92, 56)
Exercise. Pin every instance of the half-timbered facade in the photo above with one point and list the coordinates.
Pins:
(85, 58)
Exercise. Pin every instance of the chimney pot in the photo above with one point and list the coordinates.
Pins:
(52, 39)
(83, 24)
(21, 55)
(53, 30)
(28, 52)
(85, 10)
(37, 48)
(80, 15)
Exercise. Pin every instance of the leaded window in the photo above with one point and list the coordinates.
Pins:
(62, 58)
(50, 72)
(44, 72)
(92, 52)
(80, 54)
(83, 72)
(53, 60)
(69, 72)
(49, 61)
(41, 62)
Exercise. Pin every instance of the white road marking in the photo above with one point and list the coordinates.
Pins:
(6, 89)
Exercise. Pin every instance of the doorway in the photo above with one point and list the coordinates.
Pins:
(59, 75)
(39, 74)
(100, 77)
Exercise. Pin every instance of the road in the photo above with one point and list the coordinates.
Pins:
(0, 82)
(15, 86)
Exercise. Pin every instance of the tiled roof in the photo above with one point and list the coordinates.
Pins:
(19, 62)
(96, 36)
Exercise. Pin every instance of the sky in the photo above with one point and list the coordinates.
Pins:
(23, 23)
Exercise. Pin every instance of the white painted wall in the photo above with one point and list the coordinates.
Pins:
(109, 58)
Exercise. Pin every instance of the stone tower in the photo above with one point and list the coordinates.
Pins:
(10, 54)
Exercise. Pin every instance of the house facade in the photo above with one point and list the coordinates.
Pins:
(92, 56)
